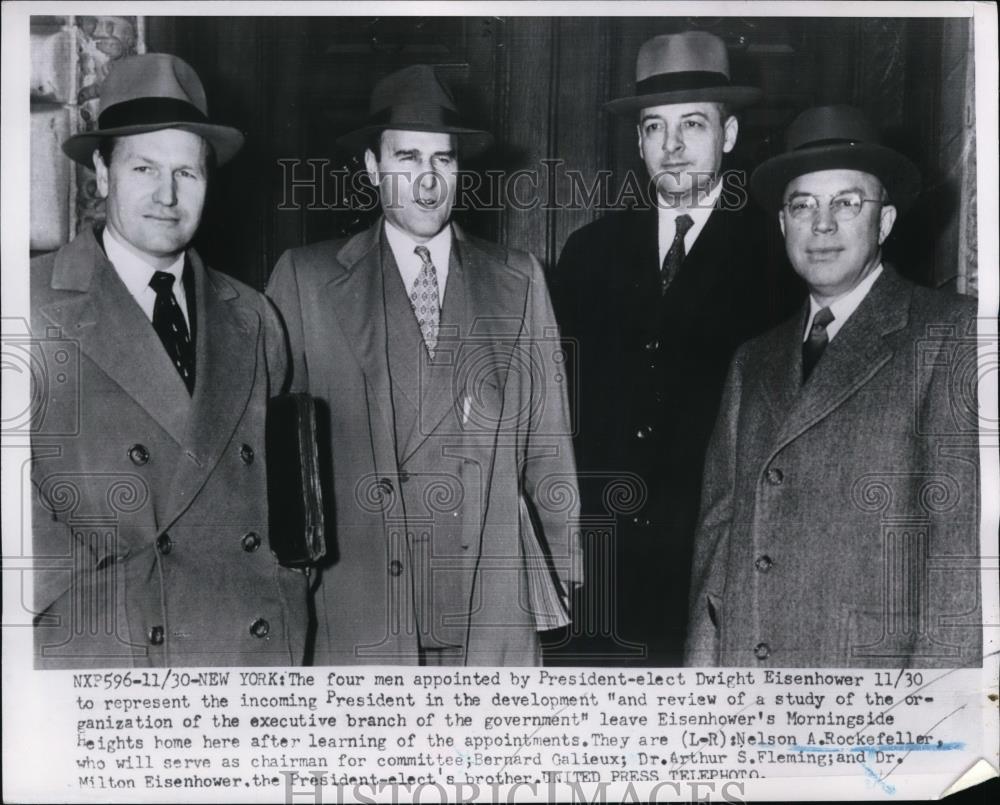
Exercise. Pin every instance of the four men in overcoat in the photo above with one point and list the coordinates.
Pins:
(454, 521)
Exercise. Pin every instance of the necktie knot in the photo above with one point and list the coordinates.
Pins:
(424, 254)
(683, 223)
(162, 282)
(822, 318)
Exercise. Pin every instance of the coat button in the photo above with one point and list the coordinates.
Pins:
(774, 476)
(250, 541)
(763, 563)
(164, 544)
(138, 454)
(644, 432)
(652, 346)
(246, 454)
(403, 476)
(156, 636)
(385, 486)
(260, 628)
(762, 651)
(395, 568)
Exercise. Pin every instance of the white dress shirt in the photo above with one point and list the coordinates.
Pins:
(409, 263)
(843, 307)
(699, 217)
(136, 274)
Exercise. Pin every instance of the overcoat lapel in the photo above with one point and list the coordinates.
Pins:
(116, 335)
(852, 359)
(226, 350)
(358, 299)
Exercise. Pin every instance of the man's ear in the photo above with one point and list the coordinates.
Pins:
(732, 129)
(886, 221)
(781, 221)
(102, 174)
(371, 166)
(638, 133)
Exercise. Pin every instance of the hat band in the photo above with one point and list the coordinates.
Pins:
(672, 82)
(149, 111)
(826, 142)
(416, 115)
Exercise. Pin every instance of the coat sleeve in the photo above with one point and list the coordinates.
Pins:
(711, 544)
(549, 469)
(283, 290)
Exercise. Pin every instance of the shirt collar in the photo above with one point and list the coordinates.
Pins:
(134, 271)
(845, 306)
(403, 245)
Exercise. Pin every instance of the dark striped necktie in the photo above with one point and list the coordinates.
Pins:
(813, 346)
(676, 253)
(168, 321)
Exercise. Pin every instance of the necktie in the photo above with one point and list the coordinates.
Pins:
(168, 321)
(425, 300)
(813, 346)
(675, 254)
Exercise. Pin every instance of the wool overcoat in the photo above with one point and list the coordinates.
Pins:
(839, 522)
(453, 494)
(149, 504)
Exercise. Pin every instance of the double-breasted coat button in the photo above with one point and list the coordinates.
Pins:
(652, 346)
(250, 541)
(156, 635)
(404, 476)
(164, 544)
(260, 628)
(762, 651)
(385, 486)
(138, 454)
(774, 476)
(395, 568)
(246, 454)
(763, 563)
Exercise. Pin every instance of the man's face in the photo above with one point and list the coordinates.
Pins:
(834, 256)
(682, 145)
(416, 177)
(155, 190)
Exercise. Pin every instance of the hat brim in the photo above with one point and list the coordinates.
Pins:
(733, 96)
(898, 175)
(225, 140)
(471, 142)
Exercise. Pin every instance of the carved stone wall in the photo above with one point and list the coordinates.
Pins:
(70, 57)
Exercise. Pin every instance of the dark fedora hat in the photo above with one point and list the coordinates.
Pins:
(413, 99)
(832, 138)
(688, 67)
(151, 92)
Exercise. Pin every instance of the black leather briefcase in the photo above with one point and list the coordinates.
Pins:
(294, 491)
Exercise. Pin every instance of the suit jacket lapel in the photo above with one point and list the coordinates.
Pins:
(116, 335)
(226, 350)
(853, 357)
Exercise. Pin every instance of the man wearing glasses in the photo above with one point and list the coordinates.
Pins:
(839, 522)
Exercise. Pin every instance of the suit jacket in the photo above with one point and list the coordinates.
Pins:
(150, 505)
(839, 525)
(454, 489)
(650, 374)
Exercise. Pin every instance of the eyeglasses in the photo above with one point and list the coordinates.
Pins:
(844, 206)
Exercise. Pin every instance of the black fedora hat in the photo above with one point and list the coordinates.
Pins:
(832, 138)
(151, 92)
(413, 99)
(688, 67)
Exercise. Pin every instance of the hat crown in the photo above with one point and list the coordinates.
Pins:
(823, 125)
(417, 85)
(153, 75)
(688, 52)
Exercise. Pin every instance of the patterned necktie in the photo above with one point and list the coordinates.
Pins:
(675, 254)
(168, 321)
(425, 300)
(813, 346)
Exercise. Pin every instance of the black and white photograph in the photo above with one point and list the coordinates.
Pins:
(388, 348)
